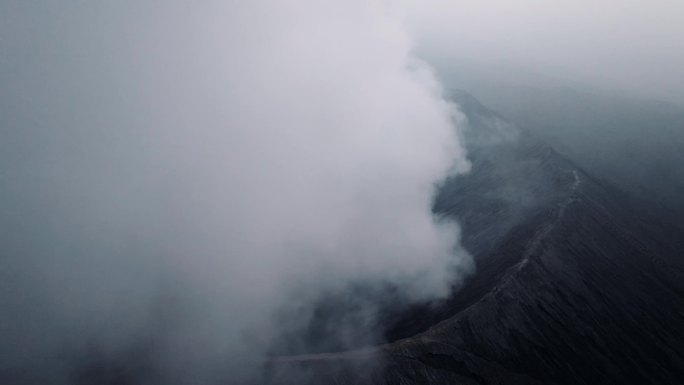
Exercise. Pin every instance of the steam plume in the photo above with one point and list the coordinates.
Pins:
(173, 173)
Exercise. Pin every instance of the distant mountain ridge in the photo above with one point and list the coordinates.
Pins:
(636, 144)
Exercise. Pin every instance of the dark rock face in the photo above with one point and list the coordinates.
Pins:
(588, 302)
(576, 282)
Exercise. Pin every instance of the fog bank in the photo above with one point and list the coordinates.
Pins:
(633, 46)
(175, 175)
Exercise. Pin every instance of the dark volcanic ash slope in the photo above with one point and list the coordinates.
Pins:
(636, 144)
(575, 282)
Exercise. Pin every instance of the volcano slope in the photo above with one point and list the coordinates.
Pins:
(576, 282)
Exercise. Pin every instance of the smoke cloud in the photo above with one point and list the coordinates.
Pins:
(174, 176)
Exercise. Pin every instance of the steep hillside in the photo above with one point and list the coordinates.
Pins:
(576, 283)
(635, 144)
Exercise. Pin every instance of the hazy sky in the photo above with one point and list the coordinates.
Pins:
(637, 45)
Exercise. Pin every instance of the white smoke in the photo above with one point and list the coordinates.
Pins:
(202, 162)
